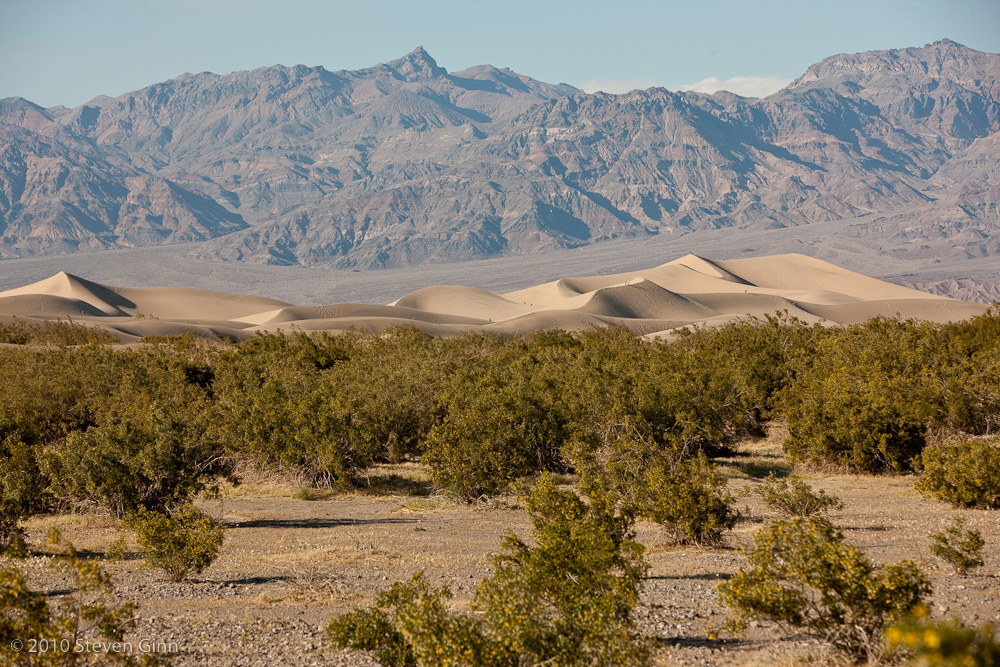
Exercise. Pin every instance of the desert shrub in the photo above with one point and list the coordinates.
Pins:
(970, 374)
(962, 549)
(616, 383)
(320, 351)
(150, 457)
(568, 600)
(181, 543)
(931, 643)
(970, 392)
(411, 625)
(965, 474)
(801, 574)
(662, 483)
(395, 383)
(47, 394)
(150, 440)
(22, 491)
(737, 370)
(53, 332)
(865, 397)
(490, 438)
(278, 405)
(374, 630)
(795, 498)
(687, 498)
(62, 622)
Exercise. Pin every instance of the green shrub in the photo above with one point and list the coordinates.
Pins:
(22, 491)
(395, 384)
(737, 370)
(688, 498)
(279, 405)
(965, 474)
(662, 483)
(801, 574)
(795, 498)
(865, 397)
(374, 630)
(410, 625)
(962, 549)
(48, 393)
(62, 622)
(488, 440)
(931, 643)
(53, 332)
(182, 543)
(568, 600)
(971, 377)
(143, 457)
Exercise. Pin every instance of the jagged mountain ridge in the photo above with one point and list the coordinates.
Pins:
(405, 163)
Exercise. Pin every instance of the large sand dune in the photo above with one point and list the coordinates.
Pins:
(654, 301)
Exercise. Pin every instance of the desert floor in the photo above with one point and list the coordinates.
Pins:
(290, 564)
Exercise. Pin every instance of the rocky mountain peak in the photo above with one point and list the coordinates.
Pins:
(405, 163)
(942, 60)
(417, 64)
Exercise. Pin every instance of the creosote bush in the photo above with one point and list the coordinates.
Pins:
(800, 574)
(181, 543)
(89, 614)
(793, 497)
(487, 442)
(22, 490)
(54, 332)
(965, 474)
(680, 491)
(933, 643)
(568, 600)
(962, 549)
(863, 398)
(411, 625)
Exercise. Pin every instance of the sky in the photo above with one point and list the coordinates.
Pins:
(66, 52)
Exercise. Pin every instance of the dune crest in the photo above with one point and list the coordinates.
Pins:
(653, 302)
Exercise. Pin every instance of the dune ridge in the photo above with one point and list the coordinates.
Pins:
(652, 302)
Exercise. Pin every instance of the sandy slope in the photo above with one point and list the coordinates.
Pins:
(650, 302)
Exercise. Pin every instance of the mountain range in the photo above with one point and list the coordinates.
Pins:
(405, 163)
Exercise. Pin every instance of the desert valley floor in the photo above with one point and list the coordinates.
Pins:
(290, 564)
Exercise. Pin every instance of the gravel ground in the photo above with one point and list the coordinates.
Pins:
(288, 566)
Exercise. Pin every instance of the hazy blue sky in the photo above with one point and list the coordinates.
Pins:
(68, 51)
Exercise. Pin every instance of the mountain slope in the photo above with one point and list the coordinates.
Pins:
(405, 163)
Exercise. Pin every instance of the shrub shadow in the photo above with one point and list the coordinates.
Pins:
(312, 523)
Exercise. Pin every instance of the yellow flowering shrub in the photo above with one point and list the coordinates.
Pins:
(48, 628)
(932, 643)
(965, 474)
(567, 600)
(800, 574)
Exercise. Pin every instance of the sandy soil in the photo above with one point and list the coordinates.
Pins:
(289, 565)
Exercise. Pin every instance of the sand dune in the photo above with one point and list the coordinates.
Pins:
(639, 299)
(462, 301)
(74, 289)
(655, 301)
